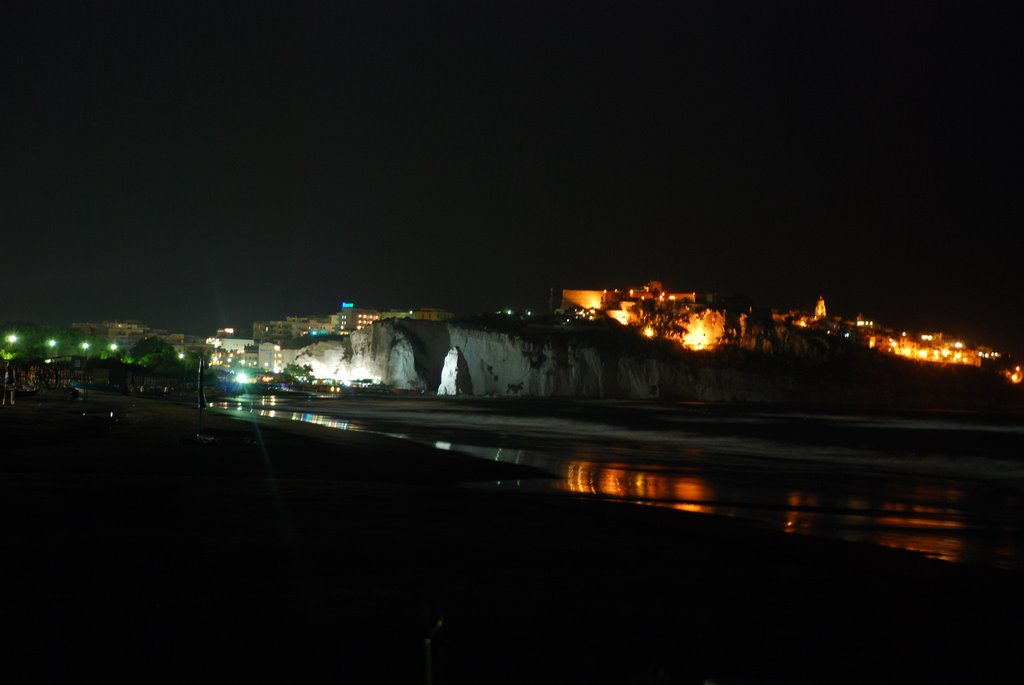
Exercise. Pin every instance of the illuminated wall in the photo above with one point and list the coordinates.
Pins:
(583, 299)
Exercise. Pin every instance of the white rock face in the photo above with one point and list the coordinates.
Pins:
(449, 373)
(455, 378)
(458, 359)
(380, 352)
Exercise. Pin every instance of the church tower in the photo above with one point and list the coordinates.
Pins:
(819, 309)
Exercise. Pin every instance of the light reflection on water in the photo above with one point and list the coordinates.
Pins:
(916, 527)
(940, 518)
(305, 417)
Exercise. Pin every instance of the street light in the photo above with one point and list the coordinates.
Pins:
(113, 346)
(11, 338)
(85, 346)
(51, 342)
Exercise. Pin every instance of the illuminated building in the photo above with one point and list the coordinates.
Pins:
(229, 351)
(685, 317)
(422, 314)
(395, 314)
(352, 318)
(817, 319)
(432, 314)
(611, 301)
(931, 347)
(292, 327)
(274, 358)
(819, 309)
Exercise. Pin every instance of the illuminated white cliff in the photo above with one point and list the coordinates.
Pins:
(457, 359)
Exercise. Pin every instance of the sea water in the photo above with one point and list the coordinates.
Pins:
(946, 485)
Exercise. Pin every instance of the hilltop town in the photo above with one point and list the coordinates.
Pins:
(269, 349)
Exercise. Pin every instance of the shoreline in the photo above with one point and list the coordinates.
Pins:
(322, 554)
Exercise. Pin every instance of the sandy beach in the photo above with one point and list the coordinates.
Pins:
(281, 551)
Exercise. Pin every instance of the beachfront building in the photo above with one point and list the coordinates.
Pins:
(273, 358)
(229, 352)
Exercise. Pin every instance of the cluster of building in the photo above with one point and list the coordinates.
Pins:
(931, 347)
(274, 344)
(625, 306)
(696, 321)
(126, 333)
(348, 319)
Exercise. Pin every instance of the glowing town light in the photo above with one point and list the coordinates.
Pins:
(12, 338)
(242, 378)
(649, 332)
(51, 342)
(84, 346)
(113, 346)
(181, 355)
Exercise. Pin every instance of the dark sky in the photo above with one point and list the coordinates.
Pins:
(196, 164)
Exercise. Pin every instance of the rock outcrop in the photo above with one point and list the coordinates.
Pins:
(455, 379)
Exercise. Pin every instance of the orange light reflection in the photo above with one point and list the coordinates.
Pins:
(688, 493)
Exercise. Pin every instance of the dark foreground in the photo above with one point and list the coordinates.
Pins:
(282, 552)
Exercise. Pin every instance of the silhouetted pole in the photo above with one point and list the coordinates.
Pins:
(7, 370)
(428, 657)
(201, 399)
(427, 665)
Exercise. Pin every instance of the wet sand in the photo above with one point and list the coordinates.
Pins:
(286, 552)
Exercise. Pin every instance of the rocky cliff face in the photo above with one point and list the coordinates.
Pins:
(763, 362)
(464, 359)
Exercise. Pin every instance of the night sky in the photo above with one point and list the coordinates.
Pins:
(197, 164)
